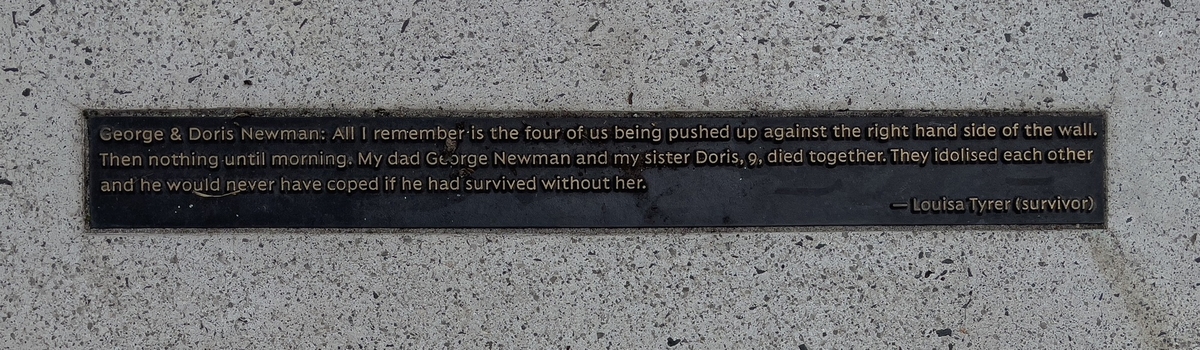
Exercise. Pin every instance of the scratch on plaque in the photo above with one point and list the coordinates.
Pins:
(811, 191)
(1034, 181)
(205, 195)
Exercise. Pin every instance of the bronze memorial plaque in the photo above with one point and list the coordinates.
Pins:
(402, 169)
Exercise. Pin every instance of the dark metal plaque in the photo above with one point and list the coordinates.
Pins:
(305, 168)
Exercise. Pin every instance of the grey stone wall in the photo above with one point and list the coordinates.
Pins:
(1131, 285)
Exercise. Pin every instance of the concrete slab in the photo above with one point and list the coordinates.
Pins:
(1132, 285)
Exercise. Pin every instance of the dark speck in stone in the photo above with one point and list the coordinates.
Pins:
(1159, 59)
(404, 27)
(758, 271)
(822, 245)
(193, 78)
(6, 182)
(247, 82)
(943, 332)
(1048, 100)
(673, 341)
(817, 49)
(948, 261)
(822, 8)
(803, 347)
(790, 5)
(1129, 219)
(1183, 178)
(121, 92)
(11, 70)
(297, 3)
(1007, 37)
(1166, 3)
(26, 92)
(1062, 73)
(1089, 15)
(87, 61)
(226, 77)
(593, 27)
(37, 10)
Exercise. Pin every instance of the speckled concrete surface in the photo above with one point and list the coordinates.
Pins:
(1132, 285)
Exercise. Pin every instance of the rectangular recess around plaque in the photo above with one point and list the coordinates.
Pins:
(224, 168)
